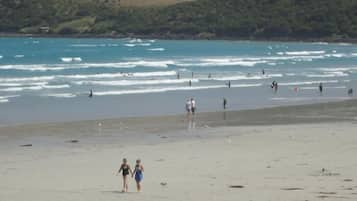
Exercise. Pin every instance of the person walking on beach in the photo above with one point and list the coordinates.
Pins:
(138, 174)
(178, 75)
(125, 169)
(193, 106)
(189, 83)
(229, 84)
(224, 103)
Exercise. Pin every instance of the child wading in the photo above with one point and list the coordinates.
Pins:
(138, 172)
(125, 169)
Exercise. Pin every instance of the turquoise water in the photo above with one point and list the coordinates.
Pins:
(47, 79)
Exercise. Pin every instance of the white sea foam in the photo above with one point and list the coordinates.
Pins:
(220, 62)
(337, 55)
(307, 82)
(19, 56)
(246, 85)
(137, 44)
(135, 82)
(31, 67)
(84, 45)
(71, 59)
(129, 45)
(56, 86)
(152, 74)
(4, 100)
(7, 97)
(167, 89)
(27, 79)
(15, 89)
(10, 85)
(321, 43)
(135, 40)
(60, 95)
(244, 77)
(59, 67)
(315, 88)
(329, 74)
(116, 75)
(302, 53)
(156, 49)
(1, 56)
(19, 84)
(131, 64)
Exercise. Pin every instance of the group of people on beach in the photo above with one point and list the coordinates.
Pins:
(191, 106)
(137, 174)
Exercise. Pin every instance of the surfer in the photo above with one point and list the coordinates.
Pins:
(263, 72)
(189, 83)
(178, 75)
(229, 84)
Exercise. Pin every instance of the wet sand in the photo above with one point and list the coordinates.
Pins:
(286, 153)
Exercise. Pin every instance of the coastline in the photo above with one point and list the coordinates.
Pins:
(179, 37)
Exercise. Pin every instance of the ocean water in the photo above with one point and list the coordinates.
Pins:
(49, 79)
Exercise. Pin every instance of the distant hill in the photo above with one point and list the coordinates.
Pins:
(236, 19)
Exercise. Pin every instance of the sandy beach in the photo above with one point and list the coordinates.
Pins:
(292, 153)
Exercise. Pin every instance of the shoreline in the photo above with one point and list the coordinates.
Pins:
(178, 37)
(334, 111)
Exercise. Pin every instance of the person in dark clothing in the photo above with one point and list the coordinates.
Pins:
(90, 94)
(224, 103)
(125, 170)
(320, 87)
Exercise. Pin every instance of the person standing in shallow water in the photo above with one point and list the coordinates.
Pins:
(224, 103)
(126, 170)
(188, 106)
(90, 93)
(193, 106)
(138, 174)
(320, 88)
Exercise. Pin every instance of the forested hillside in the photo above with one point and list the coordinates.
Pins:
(239, 19)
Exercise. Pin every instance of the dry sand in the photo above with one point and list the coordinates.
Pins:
(296, 154)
